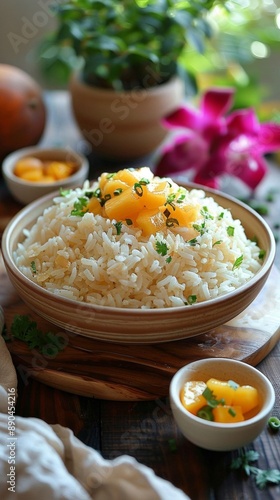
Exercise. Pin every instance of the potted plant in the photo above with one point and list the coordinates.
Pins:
(129, 60)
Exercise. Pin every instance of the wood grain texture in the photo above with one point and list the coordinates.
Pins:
(125, 372)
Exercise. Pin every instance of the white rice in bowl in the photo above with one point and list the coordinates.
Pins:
(85, 259)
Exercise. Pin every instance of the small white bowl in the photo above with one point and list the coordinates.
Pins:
(28, 191)
(213, 435)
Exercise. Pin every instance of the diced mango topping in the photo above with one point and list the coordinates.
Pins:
(228, 414)
(191, 395)
(220, 401)
(35, 170)
(150, 203)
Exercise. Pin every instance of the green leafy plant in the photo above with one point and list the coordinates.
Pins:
(128, 44)
(245, 36)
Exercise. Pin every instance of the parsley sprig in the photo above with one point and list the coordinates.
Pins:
(161, 248)
(262, 477)
(80, 206)
(48, 344)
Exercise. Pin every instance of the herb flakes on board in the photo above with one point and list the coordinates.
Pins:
(263, 477)
(26, 330)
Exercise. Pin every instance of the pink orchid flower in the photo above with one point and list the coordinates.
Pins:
(214, 142)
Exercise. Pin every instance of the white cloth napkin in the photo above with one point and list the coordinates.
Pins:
(47, 462)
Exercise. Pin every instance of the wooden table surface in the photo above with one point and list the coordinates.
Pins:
(144, 430)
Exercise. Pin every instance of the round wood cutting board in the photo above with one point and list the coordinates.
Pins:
(124, 372)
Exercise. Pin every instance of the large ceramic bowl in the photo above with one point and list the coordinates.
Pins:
(221, 436)
(27, 191)
(125, 325)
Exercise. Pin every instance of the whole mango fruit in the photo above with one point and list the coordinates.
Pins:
(22, 110)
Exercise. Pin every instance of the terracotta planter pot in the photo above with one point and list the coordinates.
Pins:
(124, 125)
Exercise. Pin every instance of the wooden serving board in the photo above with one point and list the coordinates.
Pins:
(124, 372)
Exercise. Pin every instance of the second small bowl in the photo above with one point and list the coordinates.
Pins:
(213, 435)
(27, 191)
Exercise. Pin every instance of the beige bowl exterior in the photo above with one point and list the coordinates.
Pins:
(124, 125)
(131, 326)
(25, 192)
(212, 435)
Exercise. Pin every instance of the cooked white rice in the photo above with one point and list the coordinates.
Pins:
(84, 259)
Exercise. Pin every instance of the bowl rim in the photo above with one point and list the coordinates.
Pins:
(10, 159)
(267, 265)
(175, 398)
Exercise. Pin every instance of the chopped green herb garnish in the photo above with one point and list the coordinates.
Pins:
(206, 413)
(200, 228)
(89, 194)
(161, 248)
(232, 412)
(221, 215)
(169, 259)
(110, 176)
(237, 262)
(106, 198)
(97, 193)
(118, 226)
(211, 398)
(181, 198)
(138, 189)
(205, 213)
(192, 242)
(33, 267)
(218, 242)
(48, 344)
(170, 200)
(230, 230)
(138, 186)
(64, 192)
(170, 222)
(262, 477)
(274, 423)
(144, 181)
(192, 299)
(79, 206)
(118, 191)
(262, 254)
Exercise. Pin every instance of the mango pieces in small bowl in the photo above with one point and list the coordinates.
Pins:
(221, 404)
(31, 173)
